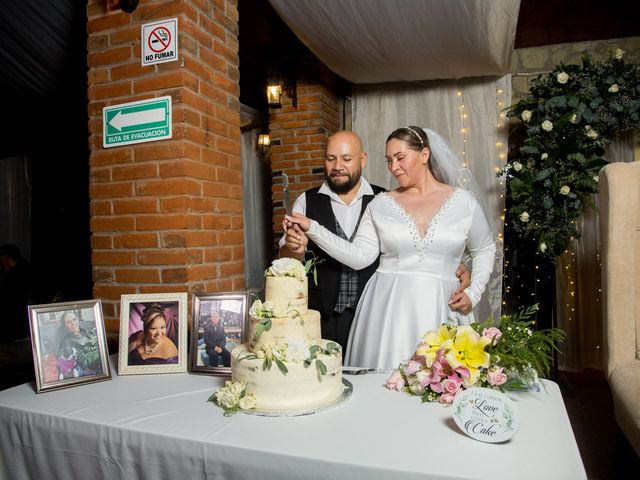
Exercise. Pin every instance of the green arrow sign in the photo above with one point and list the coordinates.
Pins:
(137, 122)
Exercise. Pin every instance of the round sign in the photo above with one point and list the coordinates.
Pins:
(486, 415)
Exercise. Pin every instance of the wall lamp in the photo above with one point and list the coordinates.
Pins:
(274, 95)
(264, 141)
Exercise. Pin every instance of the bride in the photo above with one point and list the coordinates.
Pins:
(420, 230)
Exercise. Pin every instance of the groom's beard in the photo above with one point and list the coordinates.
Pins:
(343, 186)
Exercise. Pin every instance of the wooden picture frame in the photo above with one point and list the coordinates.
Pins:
(230, 313)
(153, 333)
(69, 344)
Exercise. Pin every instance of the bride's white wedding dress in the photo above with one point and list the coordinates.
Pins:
(409, 292)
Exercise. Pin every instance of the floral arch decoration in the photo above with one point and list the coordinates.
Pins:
(568, 118)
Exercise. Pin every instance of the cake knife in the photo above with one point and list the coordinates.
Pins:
(287, 194)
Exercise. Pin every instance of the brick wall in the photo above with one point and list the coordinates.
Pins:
(299, 139)
(166, 216)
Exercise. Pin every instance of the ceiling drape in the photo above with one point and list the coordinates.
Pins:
(373, 41)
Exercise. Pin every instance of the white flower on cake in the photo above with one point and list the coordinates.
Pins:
(297, 351)
(287, 267)
(248, 402)
(233, 397)
(226, 398)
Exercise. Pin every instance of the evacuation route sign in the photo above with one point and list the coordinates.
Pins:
(160, 42)
(137, 122)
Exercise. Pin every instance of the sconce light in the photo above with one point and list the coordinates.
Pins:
(274, 95)
(264, 140)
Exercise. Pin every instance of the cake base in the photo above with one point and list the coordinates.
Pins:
(300, 389)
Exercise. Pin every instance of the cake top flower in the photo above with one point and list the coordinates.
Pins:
(287, 267)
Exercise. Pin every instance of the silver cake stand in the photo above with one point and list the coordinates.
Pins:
(339, 400)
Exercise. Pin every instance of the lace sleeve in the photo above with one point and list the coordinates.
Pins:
(362, 252)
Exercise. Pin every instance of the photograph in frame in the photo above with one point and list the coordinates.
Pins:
(153, 333)
(69, 345)
(218, 325)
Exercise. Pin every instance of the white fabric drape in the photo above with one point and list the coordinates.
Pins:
(15, 203)
(372, 41)
(578, 281)
(468, 114)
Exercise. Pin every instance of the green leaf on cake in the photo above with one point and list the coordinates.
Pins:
(283, 368)
(321, 367)
(314, 350)
(258, 330)
(266, 365)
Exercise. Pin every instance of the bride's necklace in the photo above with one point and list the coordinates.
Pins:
(150, 349)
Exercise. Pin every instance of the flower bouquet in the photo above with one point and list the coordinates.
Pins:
(233, 397)
(505, 355)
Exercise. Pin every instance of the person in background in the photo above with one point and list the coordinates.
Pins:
(153, 347)
(338, 205)
(17, 291)
(215, 340)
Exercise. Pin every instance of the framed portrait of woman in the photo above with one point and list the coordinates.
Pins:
(218, 324)
(153, 333)
(69, 344)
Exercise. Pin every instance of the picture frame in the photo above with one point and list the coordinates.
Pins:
(69, 344)
(147, 344)
(232, 310)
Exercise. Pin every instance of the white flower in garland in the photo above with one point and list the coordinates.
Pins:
(517, 166)
(542, 247)
(563, 77)
(544, 156)
(590, 132)
(614, 88)
(574, 118)
(564, 190)
(524, 217)
(547, 125)
(596, 178)
(525, 115)
(619, 53)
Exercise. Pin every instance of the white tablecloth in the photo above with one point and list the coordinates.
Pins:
(162, 427)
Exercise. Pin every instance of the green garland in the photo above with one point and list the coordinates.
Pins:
(568, 118)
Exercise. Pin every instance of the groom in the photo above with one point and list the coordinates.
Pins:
(338, 205)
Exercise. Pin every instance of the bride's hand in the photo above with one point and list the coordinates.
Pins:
(295, 240)
(460, 302)
(297, 219)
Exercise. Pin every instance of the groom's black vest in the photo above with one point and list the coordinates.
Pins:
(323, 297)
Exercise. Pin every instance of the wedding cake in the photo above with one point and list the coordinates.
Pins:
(285, 365)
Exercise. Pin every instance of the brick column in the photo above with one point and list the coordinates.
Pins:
(299, 139)
(166, 216)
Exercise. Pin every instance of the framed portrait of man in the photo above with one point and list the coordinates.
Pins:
(69, 344)
(153, 333)
(218, 326)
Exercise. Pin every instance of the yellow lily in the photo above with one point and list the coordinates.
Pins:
(467, 350)
(432, 342)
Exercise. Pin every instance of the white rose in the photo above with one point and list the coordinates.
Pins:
(543, 247)
(237, 388)
(563, 77)
(590, 132)
(574, 118)
(525, 115)
(226, 398)
(297, 351)
(547, 126)
(524, 217)
(596, 178)
(564, 190)
(544, 156)
(247, 402)
(286, 267)
(619, 53)
(255, 309)
(517, 166)
(614, 88)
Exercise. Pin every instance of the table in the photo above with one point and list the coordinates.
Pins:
(162, 427)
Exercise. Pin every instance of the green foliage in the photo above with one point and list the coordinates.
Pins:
(569, 117)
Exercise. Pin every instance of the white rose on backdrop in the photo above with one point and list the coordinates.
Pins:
(574, 118)
(517, 166)
(547, 125)
(563, 77)
(590, 132)
(544, 156)
(525, 115)
(614, 88)
(297, 351)
(524, 217)
(543, 247)
(619, 53)
(283, 267)
(596, 178)
(564, 190)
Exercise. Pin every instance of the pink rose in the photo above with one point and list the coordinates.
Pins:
(413, 367)
(451, 385)
(493, 333)
(496, 376)
(395, 381)
(447, 398)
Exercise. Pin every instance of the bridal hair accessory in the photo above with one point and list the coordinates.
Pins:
(417, 135)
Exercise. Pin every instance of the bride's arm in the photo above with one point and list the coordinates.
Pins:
(360, 253)
(482, 248)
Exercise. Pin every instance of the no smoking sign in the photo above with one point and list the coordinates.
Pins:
(160, 42)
